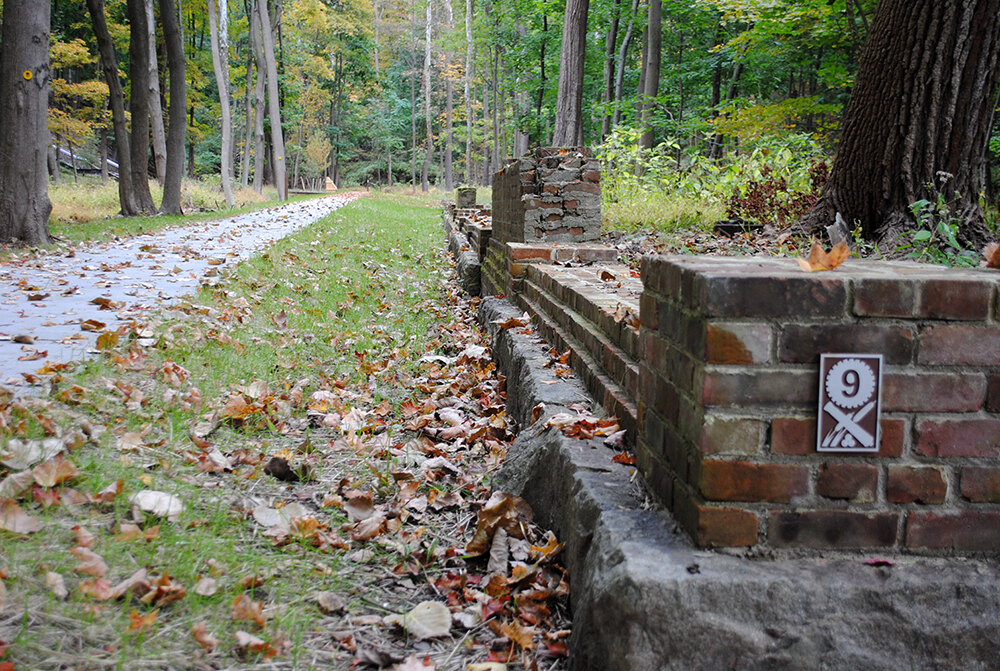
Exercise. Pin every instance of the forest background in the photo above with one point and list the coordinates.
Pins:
(737, 118)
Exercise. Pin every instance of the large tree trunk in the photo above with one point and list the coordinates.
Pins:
(109, 65)
(274, 106)
(449, 105)
(569, 100)
(24, 132)
(919, 115)
(651, 83)
(138, 54)
(155, 108)
(259, 152)
(469, 65)
(177, 130)
(429, 147)
(609, 70)
(218, 26)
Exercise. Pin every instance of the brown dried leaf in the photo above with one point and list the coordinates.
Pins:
(137, 622)
(56, 585)
(92, 325)
(428, 619)
(329, 602)
(91, 563)
(15, 484)
(992, 254)
(200, 632)
(82, 537)
(136, 583)
(501, 511)
(248, 643)
(206, 586)
(368, 529)
(55, 471)
(15, 520)
(164, 591)
(820, 260)
(97, 588)
(358, 505)
(415, 663)
(245, 608)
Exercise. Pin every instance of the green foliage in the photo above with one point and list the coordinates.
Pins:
(936, 237)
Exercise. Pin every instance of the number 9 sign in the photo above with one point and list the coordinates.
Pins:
(849, 399)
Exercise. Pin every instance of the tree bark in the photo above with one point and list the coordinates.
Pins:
(138, 54)
(24, 133)
(569, 100)
(177, 130)
(155, 108)
(651, 83)
(609, 70)
(259, 152)
(919, 118)
(469, 65)
(277, 139)
(218, 26)
(449, 104)
(109, 65)
(429, 141)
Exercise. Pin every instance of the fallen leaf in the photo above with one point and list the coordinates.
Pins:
(278, 468)
(503, 510)
(137, 622)
(245, 608)
(132, 532)
(206, 586)
(136, 583)
(82, 537)
(16, 484)
(24, 339)
(200, 632)
(158, 503)
(91, 563)
(415, 663)
(487, 666)
(820, 260)
(428, 619)
(247, 642)
(329, 602)
(55, 471)
(15, 520)
(163, 591)
(56, 585)
(358, 505)
(624, 458)
(368, 529)
(92, 325)
(375, 657)
(992, 254)
(513, 322)
(97, 588)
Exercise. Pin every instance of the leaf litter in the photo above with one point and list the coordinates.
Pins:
(388, 549)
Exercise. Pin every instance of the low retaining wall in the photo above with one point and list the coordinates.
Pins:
(728, 400)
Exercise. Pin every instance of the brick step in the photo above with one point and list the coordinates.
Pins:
(605, 303)
(613, 396)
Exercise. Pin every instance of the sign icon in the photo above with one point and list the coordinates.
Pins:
(849, 398)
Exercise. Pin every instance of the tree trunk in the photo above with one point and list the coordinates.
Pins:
(138, 54)
(248, 127)
(569, 101)
(24, 132)
(109, 65)
(155, 108)
(449, 104)
(651, 84)
(540, 129)
(218, 26)
(277, 139)
(177, 130)
(259, 152)
(919, 118)
(609, 70)
(469, 65)
(429, 148)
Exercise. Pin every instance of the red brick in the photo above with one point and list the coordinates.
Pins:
(916, 484)
(993, 394)
(525, 252)
(730, 435)
(955, 299)
(959, 345)
(795, 436)
(744, 481)
(854, 482)
(981, 484)
(648, 310)
(966, 531)
(760, 388)
(803, 343)
(933, 392)
(725, 527)
(842, 529)
(797, 297)
(884, 298)
(737, 343)
(959, 438)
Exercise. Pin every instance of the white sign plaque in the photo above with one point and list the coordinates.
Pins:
(850, 395)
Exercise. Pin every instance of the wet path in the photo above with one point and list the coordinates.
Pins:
(54, 305)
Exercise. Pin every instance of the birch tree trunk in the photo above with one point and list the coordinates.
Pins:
(218, 28)
(177, 130)
(274, 107)
(155, 109)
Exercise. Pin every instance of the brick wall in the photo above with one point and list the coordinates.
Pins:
(728, 392)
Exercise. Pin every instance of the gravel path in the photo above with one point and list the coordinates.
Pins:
(54, 304)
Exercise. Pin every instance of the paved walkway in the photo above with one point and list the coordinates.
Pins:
(49, 303)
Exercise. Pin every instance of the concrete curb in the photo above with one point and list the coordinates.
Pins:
(644, 598)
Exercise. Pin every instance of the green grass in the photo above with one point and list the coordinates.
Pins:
(361, 286)
(660, 211)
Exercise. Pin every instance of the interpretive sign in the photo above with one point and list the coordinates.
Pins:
(850, 388)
